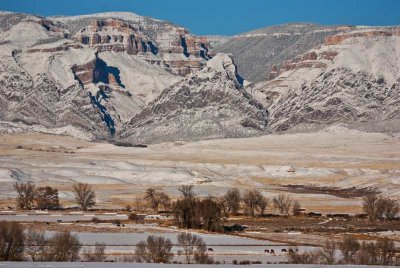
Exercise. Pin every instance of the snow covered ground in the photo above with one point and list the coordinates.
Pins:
(148, 265)
(338, 158)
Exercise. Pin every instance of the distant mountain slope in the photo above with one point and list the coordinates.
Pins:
(88, 74)
(126, 77)
(209, 104)
(256, 52)
(353, 79)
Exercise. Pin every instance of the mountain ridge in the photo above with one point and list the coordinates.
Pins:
(121, 76)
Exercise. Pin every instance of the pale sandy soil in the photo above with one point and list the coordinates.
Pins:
(341, 159)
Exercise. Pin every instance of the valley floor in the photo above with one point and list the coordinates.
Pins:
(327, 172)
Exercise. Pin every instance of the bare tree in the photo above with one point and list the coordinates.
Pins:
(139, 203)
(283, 203)
(349, 247)
(193, 246)
(232, 200)
(11, 241)
(26, 194)
(387, 208)
(63, 247)
(141, 254)
(378, 207)
(200, 254)
(35, 245)
(370, 206)
(47, 198)
(261, 202)
(84, 195)
(328, 252)
(187, 191)
(253, 200)
(155, 249)
(156, 198)
(195, 213)
(250, 203)
(301, 257)
(367, 254)
(386, 251)
(296, 208)
(97, 254)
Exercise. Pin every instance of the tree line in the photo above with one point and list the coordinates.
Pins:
(17, 244)
(351, 251)
(46, 198)
(190, 211)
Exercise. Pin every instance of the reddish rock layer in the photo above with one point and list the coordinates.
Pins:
(337, 39)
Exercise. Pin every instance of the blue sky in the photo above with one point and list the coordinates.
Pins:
(226, 17)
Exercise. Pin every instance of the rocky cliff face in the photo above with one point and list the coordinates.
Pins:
(161, 43)
(209, 104)
(114, 35)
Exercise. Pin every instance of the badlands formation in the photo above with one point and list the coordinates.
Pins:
(304, 108)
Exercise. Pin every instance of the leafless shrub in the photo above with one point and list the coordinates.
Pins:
(296, 208)
(193, 246)
(26, 194)
(387, 208)
(380, 208)
(327, 254)
(386, 249)
(95, 255)
(156, 249)
(36, 244)
(302, 257)
(11, 241)
(349, 247)
(85, 197)
(63, 247)
(367, 254)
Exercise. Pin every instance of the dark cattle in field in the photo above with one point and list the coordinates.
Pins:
(284, 250)
(210, 249)
(266, 251)
(272, 251)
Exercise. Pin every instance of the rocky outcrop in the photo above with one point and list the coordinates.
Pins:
(180, 52)
(52, 49)
(114, 35)
(340, 38)
(306, 61)
(97, 71)
(210, 104)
